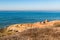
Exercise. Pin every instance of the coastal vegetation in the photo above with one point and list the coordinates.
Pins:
(46, 30)
(36, 34)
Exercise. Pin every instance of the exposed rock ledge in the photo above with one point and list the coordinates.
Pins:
(22, 27)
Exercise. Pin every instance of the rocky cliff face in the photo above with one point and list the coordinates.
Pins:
(22, 27)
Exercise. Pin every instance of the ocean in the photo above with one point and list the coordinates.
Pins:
(15, 17)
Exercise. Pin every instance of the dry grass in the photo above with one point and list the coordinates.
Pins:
(57, 24)
(36, 34)
(3, 32)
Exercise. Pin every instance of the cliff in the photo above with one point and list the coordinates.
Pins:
(22, 27)
(46, 30)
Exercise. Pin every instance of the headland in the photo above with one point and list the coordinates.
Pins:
(12, 30)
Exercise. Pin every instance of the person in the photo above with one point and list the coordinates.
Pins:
(46, 21)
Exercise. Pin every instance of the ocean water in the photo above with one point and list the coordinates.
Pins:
(15, 17)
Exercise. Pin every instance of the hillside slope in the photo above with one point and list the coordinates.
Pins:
(36, 34)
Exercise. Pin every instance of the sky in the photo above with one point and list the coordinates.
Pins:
(29, 4)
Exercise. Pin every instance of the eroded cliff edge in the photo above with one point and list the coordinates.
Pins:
(17, 29)
(22, 27)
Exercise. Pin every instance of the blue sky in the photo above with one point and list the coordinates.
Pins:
(29, 4)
